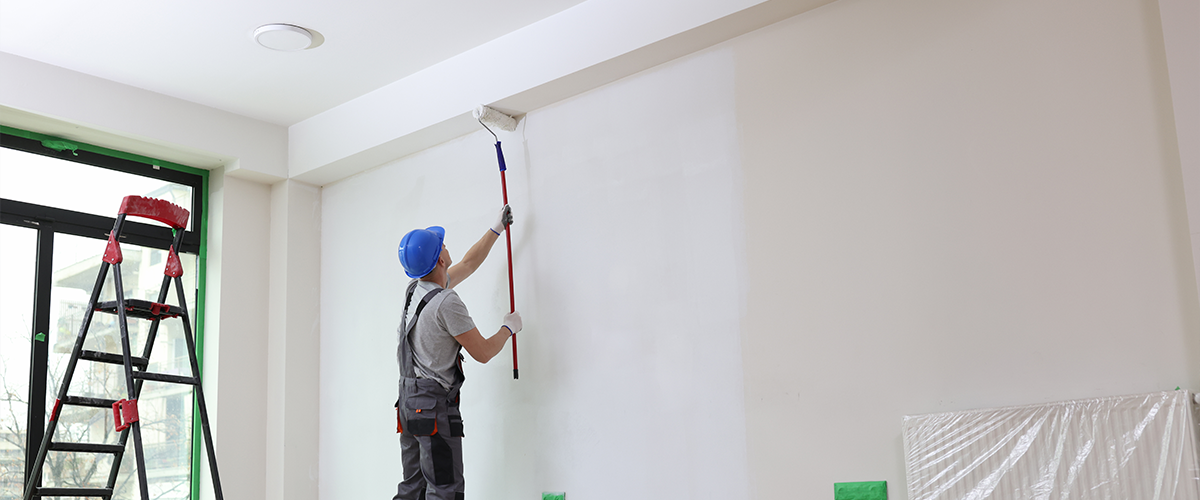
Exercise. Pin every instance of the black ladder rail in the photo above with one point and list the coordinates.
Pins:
(135, 426)
(199, 391)
(140, 377)
(123, 440)
(32, 488)
(35, 476)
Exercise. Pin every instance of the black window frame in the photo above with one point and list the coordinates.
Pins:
(48, 221)
(24, 214)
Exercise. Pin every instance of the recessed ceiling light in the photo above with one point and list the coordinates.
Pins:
(287, 37)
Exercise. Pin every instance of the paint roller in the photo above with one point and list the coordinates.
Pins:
(488, 116)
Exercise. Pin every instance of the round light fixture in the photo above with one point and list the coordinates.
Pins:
(287, 37)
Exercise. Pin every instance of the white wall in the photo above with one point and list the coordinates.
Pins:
(293, 344)
(235, 362)
(870, 210)
(629, 261)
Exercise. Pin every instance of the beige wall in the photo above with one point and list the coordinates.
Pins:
(1181, 37)
(953, 205)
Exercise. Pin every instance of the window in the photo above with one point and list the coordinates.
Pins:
(57, 205)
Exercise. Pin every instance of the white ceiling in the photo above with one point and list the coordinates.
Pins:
(203, 51)
(391, 78)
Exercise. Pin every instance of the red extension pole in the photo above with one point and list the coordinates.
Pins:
(512, 302)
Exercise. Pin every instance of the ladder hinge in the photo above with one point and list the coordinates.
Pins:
(174, 267)
(125, 412)
(112, 254)
(157, 309)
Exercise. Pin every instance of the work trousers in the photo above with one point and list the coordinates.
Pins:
(430, 446)
(428, 460)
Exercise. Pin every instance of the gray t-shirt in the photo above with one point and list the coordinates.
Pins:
(435, 352)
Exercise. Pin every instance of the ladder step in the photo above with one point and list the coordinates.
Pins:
(87, 447)
(116, 359)
(162, 377)
(137, 308)
(75, 492)
(92, 402)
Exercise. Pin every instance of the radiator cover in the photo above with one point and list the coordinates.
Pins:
(1141, 447)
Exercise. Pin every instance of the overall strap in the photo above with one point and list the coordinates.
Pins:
(459, 378)
(406, 355)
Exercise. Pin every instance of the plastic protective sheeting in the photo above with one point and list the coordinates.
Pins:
(1120, 448)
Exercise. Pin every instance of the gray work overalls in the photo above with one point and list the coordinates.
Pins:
(429, 423)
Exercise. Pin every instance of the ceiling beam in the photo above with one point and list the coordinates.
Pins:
(55, 101)
(579, 49)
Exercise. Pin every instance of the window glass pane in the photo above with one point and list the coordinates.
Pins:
(18, 256)
(165, 409)
(80, 187)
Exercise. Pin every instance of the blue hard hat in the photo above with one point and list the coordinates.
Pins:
(420, 249)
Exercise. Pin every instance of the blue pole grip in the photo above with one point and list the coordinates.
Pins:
(500, 156)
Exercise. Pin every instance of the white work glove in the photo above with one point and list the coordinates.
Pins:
(503, 221)
(512, 321)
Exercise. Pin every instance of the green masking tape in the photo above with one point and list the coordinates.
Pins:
(41, 337)
(61, 146)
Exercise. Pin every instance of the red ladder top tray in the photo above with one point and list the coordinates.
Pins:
(160, 210)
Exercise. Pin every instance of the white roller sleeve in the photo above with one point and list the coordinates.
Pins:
(493, 118)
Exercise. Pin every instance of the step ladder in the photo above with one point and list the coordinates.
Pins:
(125, 411)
